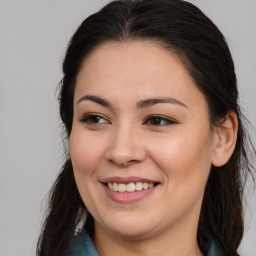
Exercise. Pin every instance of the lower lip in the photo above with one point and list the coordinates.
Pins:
(128, 197)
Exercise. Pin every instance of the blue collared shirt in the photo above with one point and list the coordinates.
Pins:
(82, 245)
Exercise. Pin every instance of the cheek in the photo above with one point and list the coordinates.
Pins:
(184, 158)
(186, 164)
(85, 151)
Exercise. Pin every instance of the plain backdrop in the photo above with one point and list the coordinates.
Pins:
(33, 39)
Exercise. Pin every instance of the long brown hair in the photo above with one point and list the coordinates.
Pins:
(183, 29)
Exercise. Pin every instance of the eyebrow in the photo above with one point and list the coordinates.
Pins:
(96, 99)
(141, 104)
(150, 102)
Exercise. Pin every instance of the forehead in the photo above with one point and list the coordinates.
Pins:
(135, 57)
(135, 69)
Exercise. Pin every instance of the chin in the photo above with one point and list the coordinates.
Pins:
(131, 232)
(130, 226)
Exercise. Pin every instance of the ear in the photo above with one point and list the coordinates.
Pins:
(225, 136)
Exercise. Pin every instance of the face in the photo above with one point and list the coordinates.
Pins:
(141, 143)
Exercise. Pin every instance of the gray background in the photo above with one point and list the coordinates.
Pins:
(33, 39)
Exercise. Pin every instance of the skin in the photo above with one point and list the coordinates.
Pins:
(123, 141)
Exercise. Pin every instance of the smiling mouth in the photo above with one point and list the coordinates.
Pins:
(130, 187)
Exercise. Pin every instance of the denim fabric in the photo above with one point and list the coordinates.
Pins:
(215, 249)
(82, 245)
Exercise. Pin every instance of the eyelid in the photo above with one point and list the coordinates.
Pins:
(168, 120)
(93, 115)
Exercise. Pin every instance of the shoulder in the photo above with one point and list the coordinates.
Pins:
(82, 245)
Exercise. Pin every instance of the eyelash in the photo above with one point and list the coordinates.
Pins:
(158, 119)
(86, 119)
(167, 121)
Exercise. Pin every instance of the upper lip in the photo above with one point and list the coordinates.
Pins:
(126, 180)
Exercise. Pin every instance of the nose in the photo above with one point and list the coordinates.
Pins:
(125, 146)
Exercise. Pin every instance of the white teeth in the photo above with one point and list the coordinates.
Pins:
(115, 187)
(122, 187)
(145, 185)
(150, 185)
(110, 186)
(130, 187)
(139, 186)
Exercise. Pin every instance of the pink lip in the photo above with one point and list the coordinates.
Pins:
(126, 180)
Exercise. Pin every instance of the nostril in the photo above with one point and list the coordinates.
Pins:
(125, 152)
(122, 163)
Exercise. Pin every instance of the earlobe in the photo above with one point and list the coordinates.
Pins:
(225, 136)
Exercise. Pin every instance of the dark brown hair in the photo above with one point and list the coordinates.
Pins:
(183, 29)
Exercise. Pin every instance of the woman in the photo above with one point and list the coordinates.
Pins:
(158, 150)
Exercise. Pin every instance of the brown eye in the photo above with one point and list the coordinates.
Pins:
(158, 121)
(93, 119)
(155, 120)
